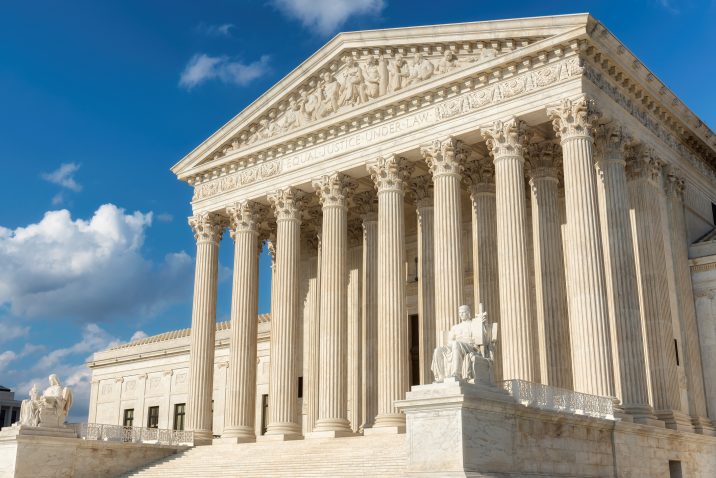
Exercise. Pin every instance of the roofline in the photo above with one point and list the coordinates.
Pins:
(564, 21)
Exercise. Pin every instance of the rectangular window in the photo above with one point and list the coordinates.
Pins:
(153, 417)
(675, 470)
(179, 412)
(128, 420)
(264, 413)
(300, 387)
(414, 348)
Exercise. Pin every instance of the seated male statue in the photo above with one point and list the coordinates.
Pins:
(468, 352)
(48, 410)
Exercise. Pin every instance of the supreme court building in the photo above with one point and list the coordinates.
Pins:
(534, 166)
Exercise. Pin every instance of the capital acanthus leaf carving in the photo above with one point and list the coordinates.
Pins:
(642, 163)
(333, 189)
(207, 227)
(479, 172)
(611, 141)
(355, 232)
(287, 204)
(445, 156)
(245, 216)
(506, 138)
(674, 183)
(365, 203)
(421, 189)
(574, 118)
(544, 160)
(389, 173)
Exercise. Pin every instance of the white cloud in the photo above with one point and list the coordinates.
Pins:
(202, 67)
(165, 217)
(64, 176)
(89, 270)
(327, 16)
(10, 331)
(216, 30)
(138, 335)
(5, 358)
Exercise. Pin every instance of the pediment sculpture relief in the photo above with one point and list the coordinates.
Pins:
(357, 81)
(469, 351)
(48, 410)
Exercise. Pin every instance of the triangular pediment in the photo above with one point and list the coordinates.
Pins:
(358, 69)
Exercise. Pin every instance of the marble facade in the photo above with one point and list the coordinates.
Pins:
(532, 165)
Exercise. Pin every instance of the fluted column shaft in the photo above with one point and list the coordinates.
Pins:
(370, 317)
(644, 183)
(445, 159)
(620, 269)
(240, 408)
(589, 317)
(706, 316)
(355, 327)
(207, 231)
(332, 403)
(550, 284)
(314, 347)
(518, 335)
(685, 293)
(283, 374)
(389, 175)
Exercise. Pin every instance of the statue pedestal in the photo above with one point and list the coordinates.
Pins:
(14, 431)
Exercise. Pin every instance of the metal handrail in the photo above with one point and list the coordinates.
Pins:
(546, 397)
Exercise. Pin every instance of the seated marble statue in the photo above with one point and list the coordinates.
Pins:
(469, 351)
(49, 410)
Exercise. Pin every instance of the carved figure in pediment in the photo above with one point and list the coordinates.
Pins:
(328, 100)
(310, 103)
(420, 70)
(353, 89)
(447, 63)
(398, 71)
(294, 117)
(372, 76)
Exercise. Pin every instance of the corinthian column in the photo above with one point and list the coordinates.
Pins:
(620, 268)
(355, 325)
(550, 284)
(367, 205)
(240, 408)
(588, 316)
(283, 375)
(389, 175)
(518, 335)
(645, 188)
(445, 159)
(480, 177)
(313, 307)
(332, 412)
(422, 191)
(685, 294)
(208, 229)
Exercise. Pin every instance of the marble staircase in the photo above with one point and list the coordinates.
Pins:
(381, 456)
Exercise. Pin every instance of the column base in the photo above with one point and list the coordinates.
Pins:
(203, 437)
(389, 420)
(703, 426)
(233, 440)
(642, 414)
(332, 424)
(653, 422)
(279, 437)
(330, 434)
(285, 428)
(675, 420)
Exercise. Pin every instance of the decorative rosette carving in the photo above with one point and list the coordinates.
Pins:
(506, 138)
(390, 173)
(445, 156)
(245, 216)
(332, 189)
(287, 204)
(207, 227)
(574, 118)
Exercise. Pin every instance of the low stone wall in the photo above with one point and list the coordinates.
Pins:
(33, 456)
(466, 430)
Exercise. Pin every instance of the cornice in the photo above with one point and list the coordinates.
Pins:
(370, 40)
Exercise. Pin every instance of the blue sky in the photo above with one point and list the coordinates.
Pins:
(99, 99)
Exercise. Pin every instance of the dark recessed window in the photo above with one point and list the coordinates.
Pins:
(153, 417)
(300, 387)
(264, 413)
(676, 350)
(128, 420)
(179, 413)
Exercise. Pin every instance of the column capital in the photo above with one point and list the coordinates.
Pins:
(287, 204)
(642, 163)
(207, 227)
(573, 118)
(674, 183)
(544, 160)
(445, 156)
(611, 141)
(366, 204)
(333, 188)
(355, 232)
(389, 173)
(506, 138)
(245, 216)
(479, 175)
(422, 189)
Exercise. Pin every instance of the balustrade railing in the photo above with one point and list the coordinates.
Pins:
(117, 433)
(546, 397)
